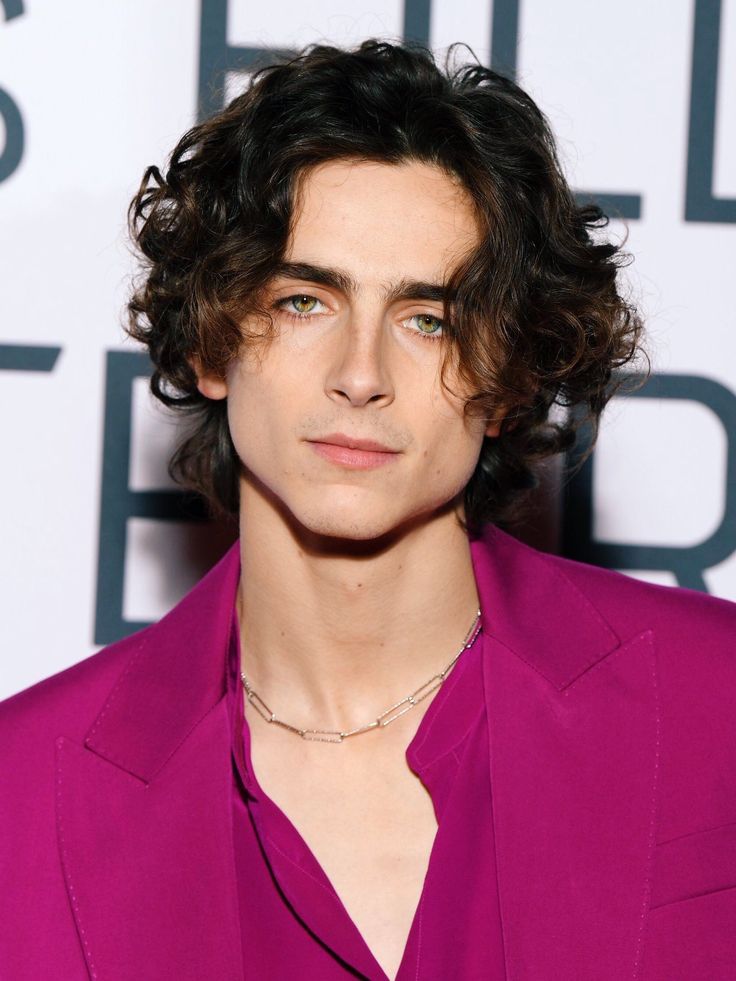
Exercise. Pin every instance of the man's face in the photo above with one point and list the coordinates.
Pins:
(356, 351)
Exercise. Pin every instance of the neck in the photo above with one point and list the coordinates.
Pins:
(333, 632)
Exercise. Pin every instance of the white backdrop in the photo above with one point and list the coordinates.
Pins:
(92, 91)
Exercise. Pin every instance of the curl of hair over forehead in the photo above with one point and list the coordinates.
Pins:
(536, 319)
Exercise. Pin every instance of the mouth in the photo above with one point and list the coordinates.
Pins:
(355, 457)
(353, 442)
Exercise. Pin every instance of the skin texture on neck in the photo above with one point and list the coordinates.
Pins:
(357, 585)
(332, 635)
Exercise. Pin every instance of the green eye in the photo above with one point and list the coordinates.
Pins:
(303, 304)
(428, 324)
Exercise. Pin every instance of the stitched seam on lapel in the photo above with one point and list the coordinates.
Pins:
(623, 648)
(648, 636)
(513, 650)
(65, 867)
(187, 734)
(107, 767)
(101, 751)
(114, 692)
(581, 595)
(585, 603)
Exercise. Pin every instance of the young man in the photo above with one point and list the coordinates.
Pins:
(382, 738)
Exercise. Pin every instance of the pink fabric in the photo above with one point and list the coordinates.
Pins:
(611, 755)
(293, 923)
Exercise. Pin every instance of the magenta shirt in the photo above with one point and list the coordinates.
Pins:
(293, 924)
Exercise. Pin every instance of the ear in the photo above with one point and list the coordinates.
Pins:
(210, 384)
(493, 427)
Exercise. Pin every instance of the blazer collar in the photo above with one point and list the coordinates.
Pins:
(536, 611)
(177, 673)
(178, 670)
(175, 677)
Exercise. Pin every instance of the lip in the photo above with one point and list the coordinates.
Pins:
(352, 453)
(353, 443)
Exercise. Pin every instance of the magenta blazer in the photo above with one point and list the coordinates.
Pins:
(613, 766)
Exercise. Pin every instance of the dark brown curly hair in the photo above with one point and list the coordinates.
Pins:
(536, 315)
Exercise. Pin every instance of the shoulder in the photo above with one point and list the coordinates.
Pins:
(684, 619)
(693, 636)
(31, 721)
(66, 702)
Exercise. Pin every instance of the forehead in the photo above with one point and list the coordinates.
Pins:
(379, 217)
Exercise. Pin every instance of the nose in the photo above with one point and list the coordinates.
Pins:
(358, 372)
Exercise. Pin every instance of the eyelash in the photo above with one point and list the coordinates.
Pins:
(294, 315)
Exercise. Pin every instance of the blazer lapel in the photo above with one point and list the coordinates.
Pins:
(143, 806)
(573, 730)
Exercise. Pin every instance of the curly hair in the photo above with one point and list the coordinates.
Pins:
(536, 317)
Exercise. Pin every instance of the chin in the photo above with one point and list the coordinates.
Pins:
(347, 524)
(325, 518)
(378, 523)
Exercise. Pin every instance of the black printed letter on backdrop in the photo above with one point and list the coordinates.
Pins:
(687, 563)
(700, 205)
(28, 357)
(12, 153)
(217, 57)
(119, 502)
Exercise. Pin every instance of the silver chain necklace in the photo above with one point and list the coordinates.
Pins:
(384, 719)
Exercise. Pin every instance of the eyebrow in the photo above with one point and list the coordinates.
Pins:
(403, 289)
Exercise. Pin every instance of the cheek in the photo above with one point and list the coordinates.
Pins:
(451, 449)
(459, 439)
(458, 436)
(263, 406)
(249, 415)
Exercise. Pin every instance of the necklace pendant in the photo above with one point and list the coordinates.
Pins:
(322, 735)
